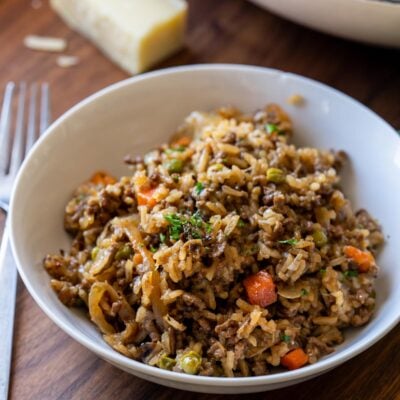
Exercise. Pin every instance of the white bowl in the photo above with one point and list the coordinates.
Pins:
(139, 113)
(370, 21)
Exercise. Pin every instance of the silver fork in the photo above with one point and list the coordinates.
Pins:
(13, 149)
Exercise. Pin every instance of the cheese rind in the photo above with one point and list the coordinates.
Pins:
(135, 34)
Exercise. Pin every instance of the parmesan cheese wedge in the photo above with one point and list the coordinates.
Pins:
(135, 34)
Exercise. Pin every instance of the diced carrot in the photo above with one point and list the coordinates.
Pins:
(102, 178)
(294, 359)
(144, 191)
(182, 141)
(364, 259)
(145, 197)
(137, 259)
(260, 289)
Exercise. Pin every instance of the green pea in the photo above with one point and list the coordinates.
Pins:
(190, 362)
(275, 175)
(166, 363)
(320, 238)
(124, 252)
(94, 252)
(174, 166)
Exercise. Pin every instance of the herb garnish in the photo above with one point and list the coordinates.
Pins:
(304, 292)
(292, 241)
(351, 273)
(196, 220)
(271, 128)
(192, 226)
(286, 338)
(162, 237)
(176, 225)
(198, 188)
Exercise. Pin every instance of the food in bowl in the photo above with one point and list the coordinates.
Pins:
(228, 252)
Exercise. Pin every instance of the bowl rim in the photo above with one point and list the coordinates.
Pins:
(118, 359)
(381, 13)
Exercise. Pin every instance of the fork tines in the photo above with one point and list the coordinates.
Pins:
(18, 135)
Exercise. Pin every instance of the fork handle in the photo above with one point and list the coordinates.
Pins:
(8, 288)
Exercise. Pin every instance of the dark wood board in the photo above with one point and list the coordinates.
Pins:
(47, 363)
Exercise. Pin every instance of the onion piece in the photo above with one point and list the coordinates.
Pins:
(290, 292)
(96, 294)
(130, 227)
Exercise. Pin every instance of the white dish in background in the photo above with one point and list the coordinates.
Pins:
(370, 21)
(139, 113)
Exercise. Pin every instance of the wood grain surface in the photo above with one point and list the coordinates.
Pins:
(47, 363)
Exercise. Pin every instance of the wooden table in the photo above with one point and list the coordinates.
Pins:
(50, 365)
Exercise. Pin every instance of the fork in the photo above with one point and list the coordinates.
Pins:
(13, 149)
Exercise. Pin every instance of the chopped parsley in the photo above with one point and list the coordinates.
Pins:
(304, 292)
(175, 226)
(292, 241)
(193, 226)
(271, 128)
(198, 188)
(323, 271)
(286, 338)
(351, 273)
(153, 249)
(196, 220)
(241, 223)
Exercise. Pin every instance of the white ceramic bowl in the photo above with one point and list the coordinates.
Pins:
(370, 21)
(137, 114)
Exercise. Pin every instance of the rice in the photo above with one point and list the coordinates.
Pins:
(223, 253)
